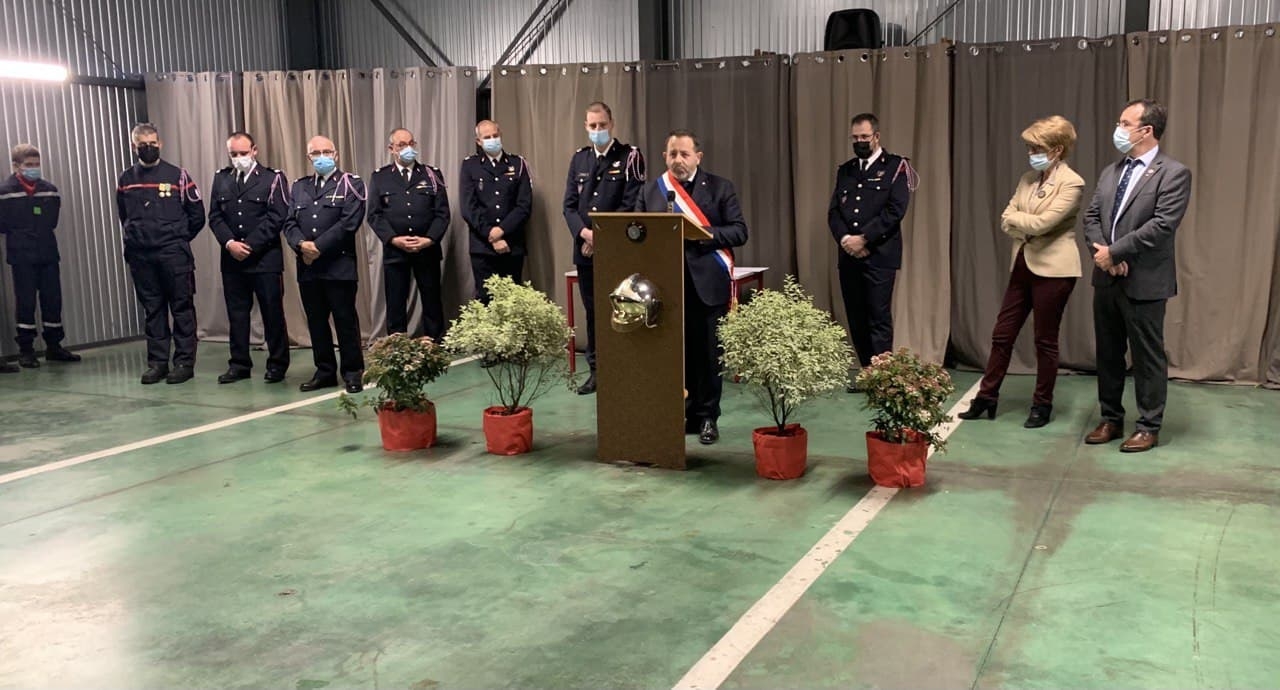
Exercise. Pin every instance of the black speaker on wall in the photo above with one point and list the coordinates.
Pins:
(853, 29)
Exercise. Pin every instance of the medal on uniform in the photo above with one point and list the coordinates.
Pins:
(165, 188)
(1040, 194)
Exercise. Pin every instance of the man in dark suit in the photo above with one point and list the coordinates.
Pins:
(247, 207)
(605, 176)
(865, 216)
(1136, 209)
(321, 229)
(497, 197)
(708, 266)
(409, 212)
(160, 214)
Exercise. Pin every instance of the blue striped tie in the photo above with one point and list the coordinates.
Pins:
(1129, 165)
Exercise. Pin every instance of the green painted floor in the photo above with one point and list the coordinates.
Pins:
(290, 551)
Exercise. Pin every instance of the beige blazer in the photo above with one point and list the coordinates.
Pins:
(1041, 219)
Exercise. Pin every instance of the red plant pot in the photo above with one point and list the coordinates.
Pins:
(780, 456)
(407, 429)
(508, 434)
(897, 464)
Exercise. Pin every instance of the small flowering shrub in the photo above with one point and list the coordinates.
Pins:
(400, 367)
(907, 394)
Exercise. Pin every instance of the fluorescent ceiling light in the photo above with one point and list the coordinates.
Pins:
(37, 71)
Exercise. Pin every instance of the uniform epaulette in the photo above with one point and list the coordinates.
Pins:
(222, 170)
(388, 166)
(584, 148)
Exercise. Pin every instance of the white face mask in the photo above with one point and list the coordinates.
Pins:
(242, 163)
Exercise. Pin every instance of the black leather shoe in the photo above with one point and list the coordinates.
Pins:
(180, 374)
(233, 375)
(589, 387)
(1039, 416)
(710, 433)
(273, 376)
(978, 408)
(154, 375)
(58, 353)
(27, 360)
(316, 384)
(7, 368)
(354, 386)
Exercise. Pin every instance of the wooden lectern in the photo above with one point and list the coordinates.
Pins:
(640, 375)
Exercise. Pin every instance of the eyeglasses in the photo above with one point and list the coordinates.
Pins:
(327, 152)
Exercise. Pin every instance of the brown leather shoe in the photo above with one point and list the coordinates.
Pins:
(1105, 433)
(1140, 441)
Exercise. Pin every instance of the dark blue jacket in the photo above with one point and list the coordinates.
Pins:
(609, 182)
(419, 208)
(253, 214)
(28, 220)
(872, 204)
(716, 197)
(160, 209)
(496, 194)
(328, 215)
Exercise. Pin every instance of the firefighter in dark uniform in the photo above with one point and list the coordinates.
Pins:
(605, 176)
(161, 213)
(326, 211)
(409, 212)
(29, 207)
(497, 197)
(865, 216)
(247, 208)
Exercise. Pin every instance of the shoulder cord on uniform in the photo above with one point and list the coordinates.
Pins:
(913, 178)
(277, 183)
(436, 182)
(187, 186)
(345, 183)
(524, 167)
(633, 165)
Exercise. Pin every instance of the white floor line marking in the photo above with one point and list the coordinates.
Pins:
(722, 659)
(185, 433)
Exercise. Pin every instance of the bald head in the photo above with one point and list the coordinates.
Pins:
(489, 137)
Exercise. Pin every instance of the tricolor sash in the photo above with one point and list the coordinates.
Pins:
(687, 207)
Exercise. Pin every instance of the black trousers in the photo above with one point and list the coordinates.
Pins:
(165, 285)
(868, 305)
(239, 289)
(426, 272)
(337, 298)
(32, 283)
(587, 289)
(1119, 322)
(484, 265)
(701, 356)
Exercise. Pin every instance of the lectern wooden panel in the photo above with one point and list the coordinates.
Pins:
(640, 374)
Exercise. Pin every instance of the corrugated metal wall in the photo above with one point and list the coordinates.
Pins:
(83, 130)
(738, 27)
(1203, 14)
(475, 32)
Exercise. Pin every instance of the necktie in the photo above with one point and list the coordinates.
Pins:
(1129, 165)
(240, 179)
(407, 174)
(865, 164)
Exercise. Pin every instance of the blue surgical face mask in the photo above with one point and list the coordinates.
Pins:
(32, 174)
(1121, 139)
(408, 155)
(599, 137)
(492, 146)
(324, 165)
(1040, 161)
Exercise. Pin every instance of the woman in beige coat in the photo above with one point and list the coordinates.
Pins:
(1041, 219)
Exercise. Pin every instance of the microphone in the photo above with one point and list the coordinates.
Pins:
(671, 202)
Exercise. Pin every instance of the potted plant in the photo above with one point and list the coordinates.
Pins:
(908, 396)
(523, 336)
(788, 352)
(401, 367)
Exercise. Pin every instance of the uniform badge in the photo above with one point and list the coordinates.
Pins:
(480, 184)
(166, 189)
(511, 168)
(617, 164)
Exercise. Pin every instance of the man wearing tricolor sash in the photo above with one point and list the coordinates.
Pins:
(711, 202)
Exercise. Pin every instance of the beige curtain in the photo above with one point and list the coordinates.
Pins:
(1000, 89)
(194, 113)
(1222, 87)
(908, 91)
(541, 109)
